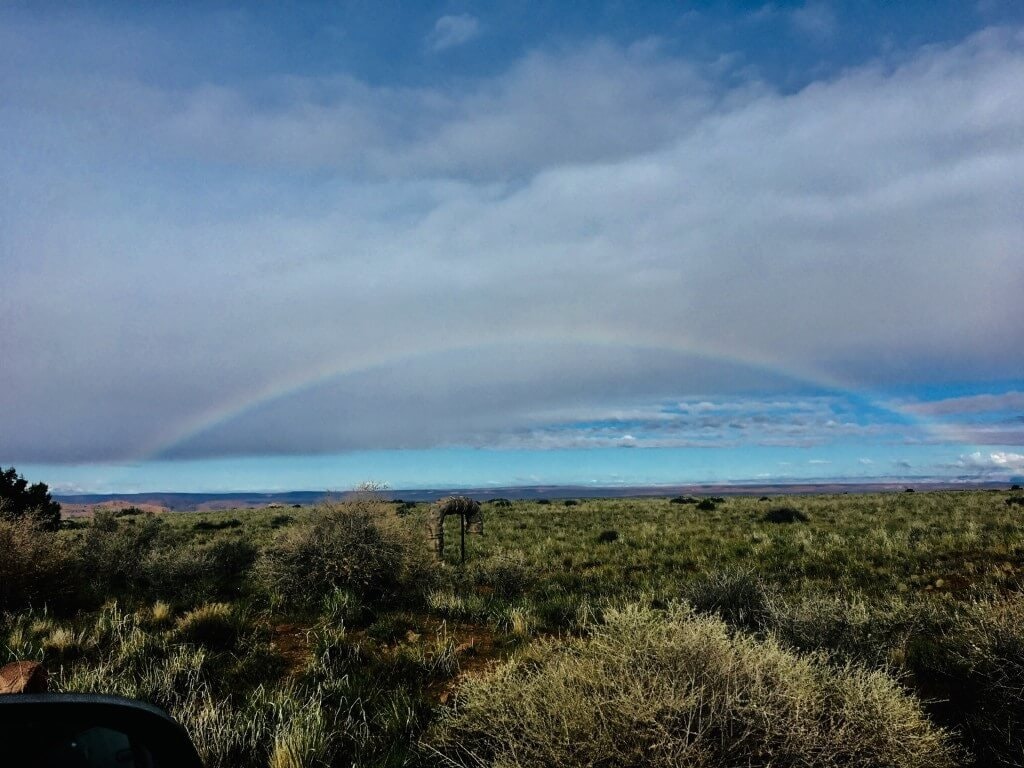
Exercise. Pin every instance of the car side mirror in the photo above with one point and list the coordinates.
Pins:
(69, 730)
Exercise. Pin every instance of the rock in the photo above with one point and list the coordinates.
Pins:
(23, 677)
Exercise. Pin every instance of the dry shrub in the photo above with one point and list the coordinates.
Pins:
(360, 545)
(977, 662)
(213, 625)
(676, 688)
(36, 566)
(871, 630)
(740, 597)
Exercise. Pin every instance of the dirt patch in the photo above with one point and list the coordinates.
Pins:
(290, 640)
(477, 650)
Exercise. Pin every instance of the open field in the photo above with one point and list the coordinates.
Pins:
(874, 629)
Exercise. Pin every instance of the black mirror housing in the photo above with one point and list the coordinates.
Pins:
(72, 730)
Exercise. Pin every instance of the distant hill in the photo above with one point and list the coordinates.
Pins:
(192, 502)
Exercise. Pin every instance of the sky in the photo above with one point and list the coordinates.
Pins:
(304, 246)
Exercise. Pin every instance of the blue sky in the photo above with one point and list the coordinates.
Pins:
(267, 247)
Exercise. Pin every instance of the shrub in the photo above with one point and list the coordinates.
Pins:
(706, 505)
(360, 545)
(1018, 500)
(19, 499)
(570, 502)
(683, 500)
(607, 537)
(764, 498)
(873, 631)
(220, 525)
(543, 501)
(36, 566)
(279, 521)
(213, 625)
(505, 572)
(738, 596)
(784, 515)
(160, 614)
(677, 689)
(977, 660)
(114, 552)
(210, 570)
(501, 502)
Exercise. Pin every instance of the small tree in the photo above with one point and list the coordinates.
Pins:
(18, 499)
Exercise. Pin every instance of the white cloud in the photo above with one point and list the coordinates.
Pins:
(453, 31)
(996, 462)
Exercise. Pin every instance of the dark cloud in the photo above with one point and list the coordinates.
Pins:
(171, 252)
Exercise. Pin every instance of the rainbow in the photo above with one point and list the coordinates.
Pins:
(295, 382)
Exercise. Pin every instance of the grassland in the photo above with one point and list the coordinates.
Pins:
(876, 629)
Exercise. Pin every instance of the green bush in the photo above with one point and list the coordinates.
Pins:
(210, 525)
(360, 545)
(671, 689)
(19, 499)
(209, 570)
(506, 572)
(37, 567)
(115, 550)
(785, 515)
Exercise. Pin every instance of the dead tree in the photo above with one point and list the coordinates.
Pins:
(471, 519)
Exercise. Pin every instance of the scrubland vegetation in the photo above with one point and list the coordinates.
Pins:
(863, 630)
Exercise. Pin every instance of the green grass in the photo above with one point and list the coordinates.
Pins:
(268, 661)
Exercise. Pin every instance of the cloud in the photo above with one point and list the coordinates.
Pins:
(1002, 463)
(816, 19)
(819, 461)
(985, 419)
(865, 461)
(969, 404)
(453, 31)
(417, 266)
